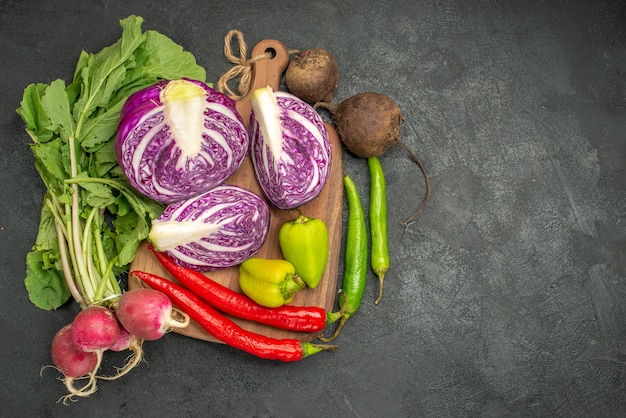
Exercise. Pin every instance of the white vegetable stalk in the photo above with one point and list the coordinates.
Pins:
(183, 104)
(166, 236)
(267, 112)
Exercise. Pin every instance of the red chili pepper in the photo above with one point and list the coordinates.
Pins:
(227, 331)
(289, 317)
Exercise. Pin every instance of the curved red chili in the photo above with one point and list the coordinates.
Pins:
(289, 317)
(227, 331)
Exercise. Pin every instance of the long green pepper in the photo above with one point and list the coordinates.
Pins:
(378, 221)
(355, 271)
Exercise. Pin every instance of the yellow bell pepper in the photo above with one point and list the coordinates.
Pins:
(269, 282)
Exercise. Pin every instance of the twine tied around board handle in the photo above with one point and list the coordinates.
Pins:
(242, 67)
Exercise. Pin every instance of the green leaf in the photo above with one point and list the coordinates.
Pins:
(107, 69)
(166, 59)
(112, 82)
(120, 207)
(97, 194)
(146, 208)
(75, 88)
(50, 164)
(33, 113)
(104, 156)
(98, 201)
(129, 249)
(57, 106)
(50, 154)
(101, 129)
(130, 230)
(83, 83)
(46, 286)
(157, 59)
(47, 239)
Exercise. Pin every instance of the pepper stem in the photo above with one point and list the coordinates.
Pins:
(342, 322)
(332, 317)
(294, 285)
(381, 278)
(308, 349)
(301, 218)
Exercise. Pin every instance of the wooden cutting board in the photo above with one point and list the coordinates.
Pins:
(327, 206)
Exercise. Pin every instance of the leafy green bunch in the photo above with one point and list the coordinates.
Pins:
(92, 220)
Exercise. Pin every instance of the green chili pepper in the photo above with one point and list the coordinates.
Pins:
(269, 282)
(304, 243)
(355, 266)
(378, 222)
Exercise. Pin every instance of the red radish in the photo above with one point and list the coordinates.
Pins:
(124, 340)
(74, 363)
(71, 361)
(95, 328)
(147, 313)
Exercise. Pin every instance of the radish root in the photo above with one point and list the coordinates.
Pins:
(88, 389)
(426, 179)
(178, 319)
(131, 361)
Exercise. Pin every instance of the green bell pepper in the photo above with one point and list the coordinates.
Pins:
(304, 243)
(269, 282)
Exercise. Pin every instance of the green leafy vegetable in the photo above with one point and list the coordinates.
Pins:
(92, 221)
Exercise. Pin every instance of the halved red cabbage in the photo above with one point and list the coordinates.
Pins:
(290, 148)
(179, 138)
(217, 229)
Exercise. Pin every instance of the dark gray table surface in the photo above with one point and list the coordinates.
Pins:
(506, 297)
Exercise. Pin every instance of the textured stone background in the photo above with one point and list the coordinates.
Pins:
(506, 296)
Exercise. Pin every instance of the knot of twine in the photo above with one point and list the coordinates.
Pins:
(242, 67)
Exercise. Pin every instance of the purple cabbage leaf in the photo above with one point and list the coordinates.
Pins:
(217, 229)
(290, 148)
(179, 138)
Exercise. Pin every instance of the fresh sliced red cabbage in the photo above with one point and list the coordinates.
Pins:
(290, 148)
(217, 229)
(179, 138)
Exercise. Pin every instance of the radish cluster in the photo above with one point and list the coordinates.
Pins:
(77, 349)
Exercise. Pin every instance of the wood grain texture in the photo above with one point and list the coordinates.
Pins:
(327, 206)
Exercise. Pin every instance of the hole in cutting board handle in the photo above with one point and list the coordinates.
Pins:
(271, 51)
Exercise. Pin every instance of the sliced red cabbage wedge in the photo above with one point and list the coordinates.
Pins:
(179, 138)
(217, 229)
(290, 148)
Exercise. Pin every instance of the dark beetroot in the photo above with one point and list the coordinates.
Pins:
(367, 123)
(313, 75)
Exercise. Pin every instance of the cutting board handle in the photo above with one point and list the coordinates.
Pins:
(265, 72)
